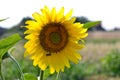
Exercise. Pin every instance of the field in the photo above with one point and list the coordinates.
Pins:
(98, 45)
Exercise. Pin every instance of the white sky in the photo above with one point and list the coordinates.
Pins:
(108, 11)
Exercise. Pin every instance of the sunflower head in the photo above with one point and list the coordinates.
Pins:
(53, 39)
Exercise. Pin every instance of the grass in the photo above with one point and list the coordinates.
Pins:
(102, 40)
(94, 51)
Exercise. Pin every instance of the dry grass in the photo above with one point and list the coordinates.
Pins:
(104, 35)
(94, 51)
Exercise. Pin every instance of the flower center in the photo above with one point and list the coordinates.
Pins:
(53, 37)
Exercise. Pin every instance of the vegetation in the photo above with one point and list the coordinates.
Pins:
(111, 63)
(97, 60)
(100, 61)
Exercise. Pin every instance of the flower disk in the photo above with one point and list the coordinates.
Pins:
(53, 39)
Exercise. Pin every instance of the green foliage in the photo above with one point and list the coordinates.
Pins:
(91, 24)
(11, 40)
(7, 43)
(11, 70)
(26, 65)
(30, 76)
(78, 72)
(46, 73)
(3, 19)
(111, 63)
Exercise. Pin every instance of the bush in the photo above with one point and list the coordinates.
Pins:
(78, 72)
(111, 63)
(11, 72)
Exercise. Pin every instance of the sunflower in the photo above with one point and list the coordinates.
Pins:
(53, 39)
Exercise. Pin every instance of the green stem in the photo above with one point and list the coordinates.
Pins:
(2, 77)
(19, 68)
(57, 77)
(41, 75)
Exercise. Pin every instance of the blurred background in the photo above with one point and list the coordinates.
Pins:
(101, 55)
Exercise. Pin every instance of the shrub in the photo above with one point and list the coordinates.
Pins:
(78, 72)
(111, 63)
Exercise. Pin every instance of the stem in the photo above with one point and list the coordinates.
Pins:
(2, 77)
(57, 77)
(41, 75)
(19, 68)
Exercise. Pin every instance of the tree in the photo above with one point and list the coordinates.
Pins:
(82, 19)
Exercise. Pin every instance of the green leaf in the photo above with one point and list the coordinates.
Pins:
(91, 24)
(3, 19)
(30, 76)
(3, 52)
(11, 40)
(46, 73)
(7, 43)
(6, 55)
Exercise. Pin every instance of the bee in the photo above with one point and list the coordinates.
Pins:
(48, 54)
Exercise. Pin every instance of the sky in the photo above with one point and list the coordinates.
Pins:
(106, 11)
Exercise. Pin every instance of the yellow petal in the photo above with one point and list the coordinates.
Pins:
(46, 15)
(83, 35)
(69, 14)
(52, 70)
(69, 22)
(83, 30)
(36, 16)
(53, 14)
(60, 15)
(47, 9)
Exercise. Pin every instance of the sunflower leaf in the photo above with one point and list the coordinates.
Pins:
(46, 73)
(3, 19)
(7, 43)
(9, 40)
(30, 76)
(91, 24)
